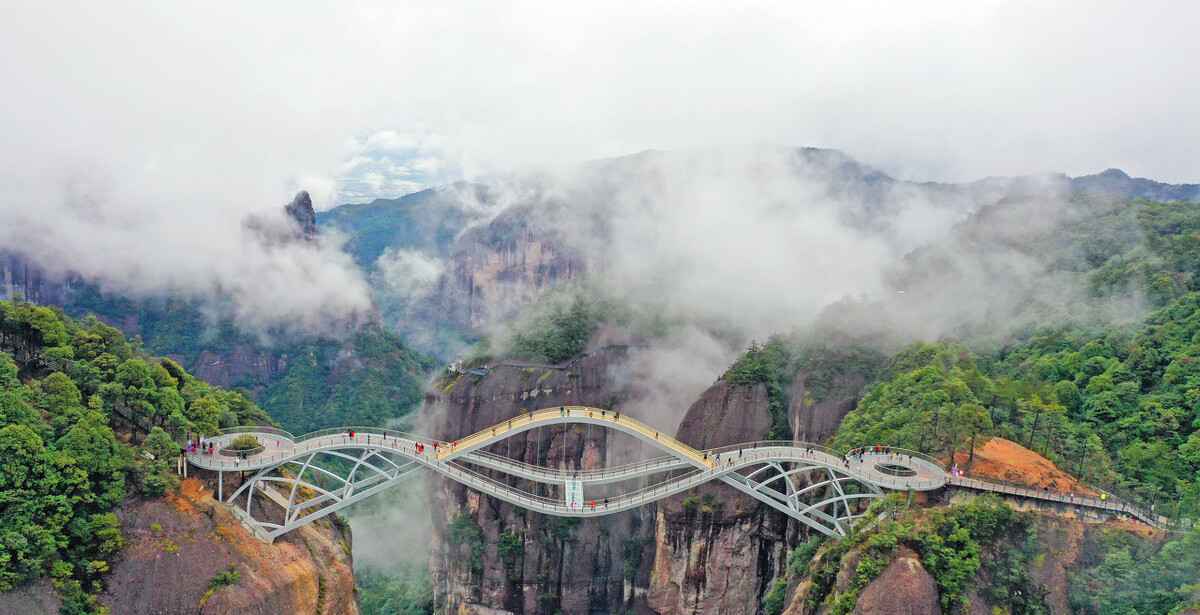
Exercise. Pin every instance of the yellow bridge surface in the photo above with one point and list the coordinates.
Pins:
(563, 414)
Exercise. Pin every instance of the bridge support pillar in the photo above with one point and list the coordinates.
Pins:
(220, 486)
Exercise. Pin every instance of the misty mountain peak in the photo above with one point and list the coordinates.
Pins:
(301, 210)
(1114, 174)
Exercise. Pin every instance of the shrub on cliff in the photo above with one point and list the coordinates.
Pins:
(953, 543)
(465, 532)
(559, 334)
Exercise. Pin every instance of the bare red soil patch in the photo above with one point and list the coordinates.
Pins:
(1007, 461)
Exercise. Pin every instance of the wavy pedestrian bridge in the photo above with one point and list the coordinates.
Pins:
(311, 476)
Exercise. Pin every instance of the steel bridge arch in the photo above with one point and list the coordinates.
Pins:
(327, 471)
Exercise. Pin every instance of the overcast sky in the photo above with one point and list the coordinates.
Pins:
(242, 102)
(136, 136)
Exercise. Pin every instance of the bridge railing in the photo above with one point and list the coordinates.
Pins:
(256, 429)
(568, 412)
(1112, 505)
(885, 450)
(772, 444)
(824, 449)
(326, 438)
(665, 462)
(377, 431)
(803, 452)
(365, 429)
(644, 495)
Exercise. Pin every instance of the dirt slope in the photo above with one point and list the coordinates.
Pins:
(1005, 460)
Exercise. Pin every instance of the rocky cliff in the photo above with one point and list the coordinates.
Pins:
(548, 564)
(24, 279)
(179, 544)
(496, 268)
(300, 211)
(713, 550)
(1029, 571)
(716, 550)
(186, 554)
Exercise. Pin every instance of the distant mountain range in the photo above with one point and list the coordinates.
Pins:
(430, 220)
(502, 243)
(499, 247)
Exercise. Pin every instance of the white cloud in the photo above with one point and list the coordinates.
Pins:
(136, 137)
(407, 273)
(388, 164)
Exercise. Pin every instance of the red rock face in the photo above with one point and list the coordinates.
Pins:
(177, 544)
(903, 588)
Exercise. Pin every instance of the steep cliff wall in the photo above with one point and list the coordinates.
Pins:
(550, 564)
(19, 277)
(816, 417)
(716, 550)
(178, 544)
(713, 550)
(499, 267)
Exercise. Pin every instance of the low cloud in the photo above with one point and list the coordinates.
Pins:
(406, 273)
(255, 270)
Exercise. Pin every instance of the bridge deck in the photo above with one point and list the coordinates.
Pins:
(572, 414)
(875, 469)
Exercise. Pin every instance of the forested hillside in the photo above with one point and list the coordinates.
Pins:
(87, 419)
(372, 379)
(1114, 401)
(305, 382)
(1118, 403)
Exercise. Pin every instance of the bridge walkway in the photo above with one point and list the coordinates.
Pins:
(777, 462)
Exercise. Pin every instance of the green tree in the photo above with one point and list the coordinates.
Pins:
(1067, 394)
(970, 421)
(34, 333)
(38, 493)
(8, 372)
(94, 447)
(205, 413)
(61, 400)
(1035, 411)
(160, 444)
(15, 410)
